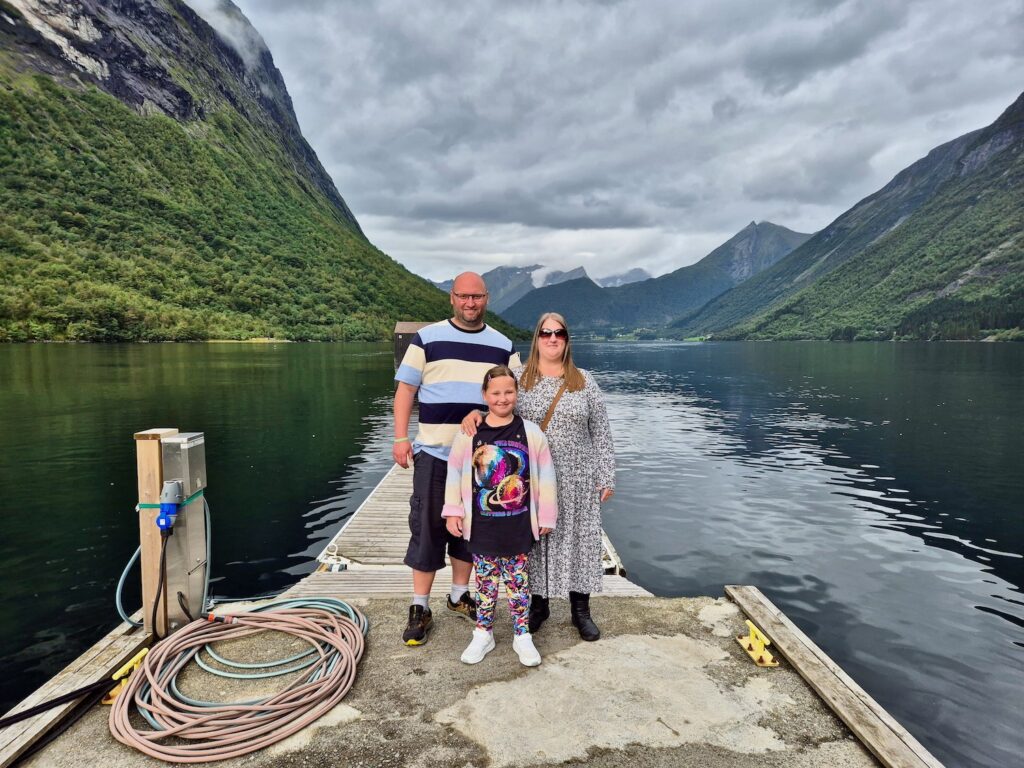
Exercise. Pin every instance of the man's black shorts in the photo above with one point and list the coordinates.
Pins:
(429, 534)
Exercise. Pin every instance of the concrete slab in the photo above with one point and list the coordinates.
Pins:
(666, 686)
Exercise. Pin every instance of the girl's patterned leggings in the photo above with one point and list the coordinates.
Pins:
(513, 571)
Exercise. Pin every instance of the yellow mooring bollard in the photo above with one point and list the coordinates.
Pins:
(754, 644)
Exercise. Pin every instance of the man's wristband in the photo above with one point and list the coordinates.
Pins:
(401, 440)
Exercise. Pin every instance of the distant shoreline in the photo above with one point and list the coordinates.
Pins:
(580, 339)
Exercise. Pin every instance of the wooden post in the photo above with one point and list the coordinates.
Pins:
(151, 479)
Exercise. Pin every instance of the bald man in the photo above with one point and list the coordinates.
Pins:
(445, 363)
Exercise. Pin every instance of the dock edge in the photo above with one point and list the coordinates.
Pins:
(877, 730)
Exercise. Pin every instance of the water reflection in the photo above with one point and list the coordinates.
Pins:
(733, 472)
(281, 422)
(871, 490)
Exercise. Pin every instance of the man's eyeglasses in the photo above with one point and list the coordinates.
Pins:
(558, 333)
(469, 296)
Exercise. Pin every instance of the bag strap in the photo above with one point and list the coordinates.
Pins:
(551, 408)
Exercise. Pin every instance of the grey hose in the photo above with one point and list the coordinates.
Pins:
(120, 588)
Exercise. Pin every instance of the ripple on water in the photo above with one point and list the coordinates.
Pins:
(720, 483)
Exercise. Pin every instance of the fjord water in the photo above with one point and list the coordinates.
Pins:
(872, 491)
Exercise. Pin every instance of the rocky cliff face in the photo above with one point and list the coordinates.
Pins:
(753, 249)
(160, 56)
(558, 276)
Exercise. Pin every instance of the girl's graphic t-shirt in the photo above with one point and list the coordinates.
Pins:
(501, 491)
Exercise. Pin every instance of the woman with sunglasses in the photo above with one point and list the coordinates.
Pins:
(568, 564)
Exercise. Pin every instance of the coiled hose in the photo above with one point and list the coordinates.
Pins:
(185, 730)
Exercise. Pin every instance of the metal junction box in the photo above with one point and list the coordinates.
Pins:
(184, 459)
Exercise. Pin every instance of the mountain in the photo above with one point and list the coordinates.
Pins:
(634, 275)
(656, 302)
(557, 276)
(506, 285)
(156, 185)
(936, 253)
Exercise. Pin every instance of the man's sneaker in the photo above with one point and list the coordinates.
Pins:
(481, 644)
(420, 621)
(466, 605)
(525, 650)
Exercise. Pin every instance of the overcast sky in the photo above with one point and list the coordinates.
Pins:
(619, 134)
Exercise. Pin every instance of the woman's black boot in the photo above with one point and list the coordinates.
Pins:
(539, 612)
(580, 605)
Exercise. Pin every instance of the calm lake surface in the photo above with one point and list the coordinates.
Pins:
(873, 491)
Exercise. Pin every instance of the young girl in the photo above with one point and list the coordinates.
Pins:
(500, 496)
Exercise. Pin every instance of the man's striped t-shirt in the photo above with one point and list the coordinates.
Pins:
(448, 365)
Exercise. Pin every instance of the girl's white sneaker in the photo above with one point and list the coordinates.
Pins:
(525, 650)
(481, 644)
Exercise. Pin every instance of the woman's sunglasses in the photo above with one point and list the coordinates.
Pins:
(558, 333)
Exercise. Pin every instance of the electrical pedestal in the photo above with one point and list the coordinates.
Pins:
(164, 455)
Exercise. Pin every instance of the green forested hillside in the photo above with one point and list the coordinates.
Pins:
(119, 227)
(938, 253)
(952, 271)
(155, 185)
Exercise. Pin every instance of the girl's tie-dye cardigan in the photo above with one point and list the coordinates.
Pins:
(458, 492)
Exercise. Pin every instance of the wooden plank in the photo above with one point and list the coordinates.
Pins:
(369, 537)
(877, 729)
(66, 680)
(74, 675)
(101, 660)
(377, 533)
(149, 467)
(610, 562)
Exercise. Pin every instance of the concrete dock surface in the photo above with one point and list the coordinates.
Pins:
(666, 685)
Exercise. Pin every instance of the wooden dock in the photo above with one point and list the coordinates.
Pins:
(364, 561)
(106, 656)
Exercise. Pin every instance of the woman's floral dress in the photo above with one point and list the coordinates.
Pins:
(584, 458)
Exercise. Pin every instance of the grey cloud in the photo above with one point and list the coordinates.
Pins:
(585, 211)
(927, 80)
(678, 198)
(626, 132)
(819, 5)
(795, 52)
(226, 20)
(725, 108)
(819, 169)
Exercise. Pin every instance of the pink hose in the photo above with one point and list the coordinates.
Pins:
(230, 730)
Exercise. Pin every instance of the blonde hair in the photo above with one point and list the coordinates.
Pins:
(574, 380)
